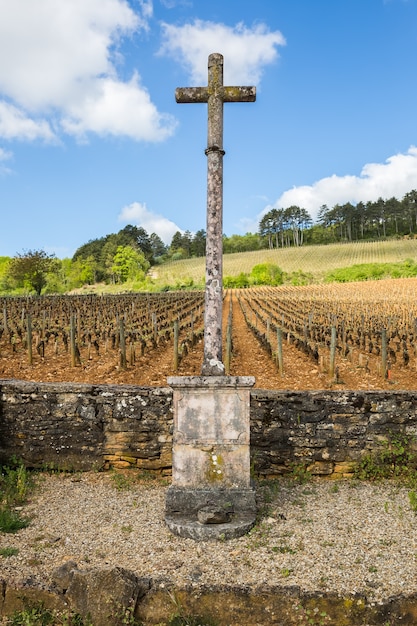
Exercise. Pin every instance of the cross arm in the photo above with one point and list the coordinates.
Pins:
(191, 94)
(239, 94)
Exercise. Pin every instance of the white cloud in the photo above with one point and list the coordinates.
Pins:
(246, 50)
(147, 11)
(5, 155)
(138, 214)
(116, 108)
(172, 4)
(395, 177)
(14, 124)
(62, 59)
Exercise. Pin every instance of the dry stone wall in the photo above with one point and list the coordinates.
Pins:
(80, 427)
(77, 426)
(327, 431)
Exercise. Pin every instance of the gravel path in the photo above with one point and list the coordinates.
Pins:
(342, 536)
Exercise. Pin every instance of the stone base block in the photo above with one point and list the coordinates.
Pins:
(192, 529)
(188, 501)
(183, 506)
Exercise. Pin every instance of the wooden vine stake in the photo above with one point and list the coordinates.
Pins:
(332, 352)
(155, 327)
(192, 327)
(279, 352)
(122, 344)
(176, 333)
(29, 338)
(228, 355)
(132, 357)
(73, 348)
(384, 353)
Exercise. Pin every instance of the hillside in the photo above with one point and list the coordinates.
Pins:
(315, 260)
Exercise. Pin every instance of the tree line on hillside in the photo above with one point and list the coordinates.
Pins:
(127, 255)
(294, 226)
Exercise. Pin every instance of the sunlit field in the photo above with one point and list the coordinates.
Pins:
(316, 260)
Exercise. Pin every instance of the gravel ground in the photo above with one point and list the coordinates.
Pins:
(343, 536)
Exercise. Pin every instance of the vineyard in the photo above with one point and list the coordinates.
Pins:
(313, 260)
(340, 336)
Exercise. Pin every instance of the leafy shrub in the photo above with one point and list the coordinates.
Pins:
(32, 616)
(236, 282)
(266, 274)
(14, 483)
(300, 278)
(373, 271)
(395, 459)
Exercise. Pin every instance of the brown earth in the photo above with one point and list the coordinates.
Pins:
(249, 358)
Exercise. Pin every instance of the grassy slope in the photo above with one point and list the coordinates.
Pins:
(316, 260)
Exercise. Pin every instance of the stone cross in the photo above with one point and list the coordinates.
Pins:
(215, 94)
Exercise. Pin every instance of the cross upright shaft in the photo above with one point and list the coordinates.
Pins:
(215, 94)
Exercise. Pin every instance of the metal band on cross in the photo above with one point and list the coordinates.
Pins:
(215, 94)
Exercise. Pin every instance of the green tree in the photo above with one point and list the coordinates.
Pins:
(82, 271)
(91, 248)
(31, 269)
(241, 243)
(4, 266)
(410, 208)
(298, 220)
(272, 225)
(198, 246)
(266, 230)
(158, 246)
(102, 250)
(129, 263)
(180, 245)
(136, 237)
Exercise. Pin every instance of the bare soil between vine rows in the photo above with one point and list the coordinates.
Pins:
(249, 358)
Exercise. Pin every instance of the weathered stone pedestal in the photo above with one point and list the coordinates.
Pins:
(211, 494)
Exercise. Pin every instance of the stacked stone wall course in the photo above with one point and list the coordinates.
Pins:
(75, 426)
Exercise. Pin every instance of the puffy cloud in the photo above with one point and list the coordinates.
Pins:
(15, 124)
(61, 59)
(116, 108)
(46, 49)
(395, 177)
(138, 214)
(247, 50)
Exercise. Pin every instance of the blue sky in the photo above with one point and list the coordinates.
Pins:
(91, 138)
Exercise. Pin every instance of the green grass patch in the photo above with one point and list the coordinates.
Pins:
(6, 552)
(373, 271)
(15, 483)
(11, 521)
(192, 620)
(38, 615)
(123, 480)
